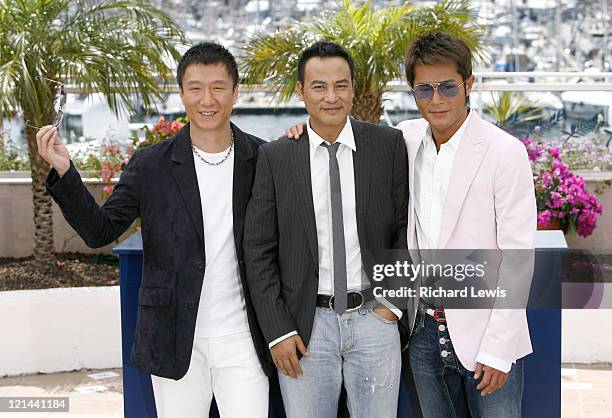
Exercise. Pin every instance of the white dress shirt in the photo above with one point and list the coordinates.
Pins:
(321, 198)
(432, 171)
(222, 309)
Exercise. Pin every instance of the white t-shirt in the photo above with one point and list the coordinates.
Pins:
(222, 309)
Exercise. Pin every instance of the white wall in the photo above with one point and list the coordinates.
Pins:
(53, 330)
(586, 336)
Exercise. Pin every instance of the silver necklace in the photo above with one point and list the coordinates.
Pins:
(229, 152)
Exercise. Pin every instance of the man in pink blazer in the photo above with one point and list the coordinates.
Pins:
(471, 187)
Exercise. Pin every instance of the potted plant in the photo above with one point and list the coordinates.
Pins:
(562, 199)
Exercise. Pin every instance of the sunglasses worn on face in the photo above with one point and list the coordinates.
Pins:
(448, 89)
(59, 101)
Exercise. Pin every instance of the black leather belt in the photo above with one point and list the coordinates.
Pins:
(354, 300)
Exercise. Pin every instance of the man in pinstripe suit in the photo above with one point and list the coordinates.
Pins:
(319, 206)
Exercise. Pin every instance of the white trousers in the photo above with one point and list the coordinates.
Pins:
(226, 367)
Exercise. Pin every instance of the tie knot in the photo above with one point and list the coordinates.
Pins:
(332, 149)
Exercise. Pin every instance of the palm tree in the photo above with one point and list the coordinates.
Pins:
(509, 109)
(377, 40)
(118, 47)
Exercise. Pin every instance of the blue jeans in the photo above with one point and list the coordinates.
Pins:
(358, 347)
(445, 388)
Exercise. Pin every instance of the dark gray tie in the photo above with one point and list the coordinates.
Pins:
(337, 230)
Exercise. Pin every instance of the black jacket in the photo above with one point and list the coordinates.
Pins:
(281, 247)
(159, 185)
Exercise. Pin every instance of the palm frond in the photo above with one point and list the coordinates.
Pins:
(508, 108)
(273, 60)
(377, 40)
(118, 47)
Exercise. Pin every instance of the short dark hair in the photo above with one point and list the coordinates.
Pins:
(324, 49)
(207, 53)
(439, 48)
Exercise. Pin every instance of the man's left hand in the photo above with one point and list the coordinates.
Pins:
(492, 379)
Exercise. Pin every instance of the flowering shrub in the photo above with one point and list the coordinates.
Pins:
(560, 194)
(12, 157)
(586, 155)
(161, 131)
(109, 160)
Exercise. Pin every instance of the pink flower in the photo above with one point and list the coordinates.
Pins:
(559, 192)
(554, 152)
(544, 217)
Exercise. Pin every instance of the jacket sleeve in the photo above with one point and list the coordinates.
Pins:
(516, 218)
(98, 226)
(261, 255)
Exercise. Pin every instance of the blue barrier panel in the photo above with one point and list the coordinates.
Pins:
(138, 398)
(542, 392)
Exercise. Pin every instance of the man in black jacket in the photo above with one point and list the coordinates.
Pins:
(196, 331)
(320, 207)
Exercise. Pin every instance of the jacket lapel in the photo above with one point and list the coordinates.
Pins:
(244, 171)
(362, 179)
(186, 179)
(300, 158)
(472, 150)
(412, 153)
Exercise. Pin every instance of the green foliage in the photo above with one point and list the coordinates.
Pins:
(377, 40)
(115, 46)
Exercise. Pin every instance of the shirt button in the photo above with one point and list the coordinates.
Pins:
(442, 340)
(199, 265)
(442, 328)
(444, 353)
(191, 304)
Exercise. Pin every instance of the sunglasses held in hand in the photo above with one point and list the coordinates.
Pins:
(59, 101)
(448, 89)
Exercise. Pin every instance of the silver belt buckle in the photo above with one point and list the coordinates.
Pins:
(360, 303)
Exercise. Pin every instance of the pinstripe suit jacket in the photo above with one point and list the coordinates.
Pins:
(280, 236)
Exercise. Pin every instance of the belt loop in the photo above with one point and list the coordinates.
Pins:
(363, 309)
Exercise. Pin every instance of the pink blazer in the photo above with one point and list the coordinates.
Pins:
(490, 205)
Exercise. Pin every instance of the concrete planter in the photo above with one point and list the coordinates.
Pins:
(26, 174)
(16, 217)
(601, 239)
(16, 225)
(54, 330)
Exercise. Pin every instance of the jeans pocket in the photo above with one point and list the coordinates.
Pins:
(381, 319)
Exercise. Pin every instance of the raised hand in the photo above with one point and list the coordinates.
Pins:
(52, 149)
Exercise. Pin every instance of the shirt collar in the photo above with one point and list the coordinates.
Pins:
(346, 136)
(454, 140)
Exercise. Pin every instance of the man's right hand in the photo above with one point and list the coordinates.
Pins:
(295, 131)
(284, 356)
(51, 148)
